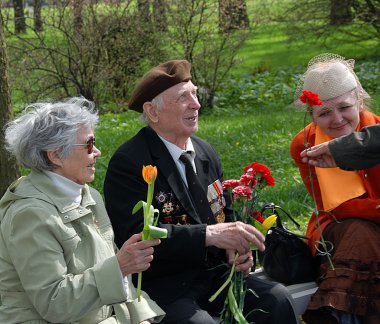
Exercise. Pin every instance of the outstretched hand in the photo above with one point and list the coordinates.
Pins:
(319, 156)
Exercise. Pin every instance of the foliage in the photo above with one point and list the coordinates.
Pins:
(332, 22)
(278, 85)
(99, 50)
(194, 35)
(99, 56)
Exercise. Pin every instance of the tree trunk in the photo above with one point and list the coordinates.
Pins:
(78, 11)
(143, 7)
(38, 24)
(232, 15)
(159, 14)
(9, 170)
(20, 24)
(341, 12)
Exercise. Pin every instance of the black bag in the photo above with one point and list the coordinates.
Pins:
(287, 258)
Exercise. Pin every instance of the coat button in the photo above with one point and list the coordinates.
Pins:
(66, 217)
(365, 175)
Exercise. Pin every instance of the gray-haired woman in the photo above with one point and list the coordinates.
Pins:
(58, 262)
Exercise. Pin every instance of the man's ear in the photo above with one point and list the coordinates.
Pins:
(55, 158)
(151, 111)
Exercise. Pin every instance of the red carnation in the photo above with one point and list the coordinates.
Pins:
(248, 180)
(230, 184)
(256, 168)
(310, 98)
(269, 179)
(242, 191)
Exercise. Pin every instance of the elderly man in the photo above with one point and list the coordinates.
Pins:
(188, 194)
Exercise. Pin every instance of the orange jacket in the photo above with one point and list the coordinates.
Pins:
(366, 206)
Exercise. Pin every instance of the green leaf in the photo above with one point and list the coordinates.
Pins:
(138, 206)
(158, 232)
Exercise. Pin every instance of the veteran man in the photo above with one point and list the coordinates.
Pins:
(186, 268)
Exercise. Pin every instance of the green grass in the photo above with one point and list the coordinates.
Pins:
(268, 47)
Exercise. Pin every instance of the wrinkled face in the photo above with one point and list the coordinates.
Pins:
(79, 166)
(178, 118)
(338, 116)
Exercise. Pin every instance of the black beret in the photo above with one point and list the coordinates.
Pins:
(157, 80)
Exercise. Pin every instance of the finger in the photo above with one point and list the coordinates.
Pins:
(133, 239)
(149, 243)
(304, 153)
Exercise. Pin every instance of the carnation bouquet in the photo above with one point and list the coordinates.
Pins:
(244, 195)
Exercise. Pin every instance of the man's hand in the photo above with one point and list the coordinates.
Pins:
(243, 263)
(135, 255)
(235, 236)
(319, 156)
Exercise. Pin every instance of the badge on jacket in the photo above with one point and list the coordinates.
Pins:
(216, 200)
(169, 209)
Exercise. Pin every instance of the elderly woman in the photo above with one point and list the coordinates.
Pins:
(347, 202)
(58, 262)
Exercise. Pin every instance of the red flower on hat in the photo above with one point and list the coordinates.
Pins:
(311, 98)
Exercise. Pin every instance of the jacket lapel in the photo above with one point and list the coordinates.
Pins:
(202, 165)
(168, 170)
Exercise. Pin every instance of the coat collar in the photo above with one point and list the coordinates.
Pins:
(38, 185)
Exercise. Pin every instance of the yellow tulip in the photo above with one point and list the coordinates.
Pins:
(149, 173)
(268, 222)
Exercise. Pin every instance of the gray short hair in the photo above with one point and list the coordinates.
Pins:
(157, 101)
(48, 126)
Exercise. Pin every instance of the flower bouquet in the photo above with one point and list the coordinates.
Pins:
(150, 229)
(244, 195)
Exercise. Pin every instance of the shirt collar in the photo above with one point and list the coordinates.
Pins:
(175, 151)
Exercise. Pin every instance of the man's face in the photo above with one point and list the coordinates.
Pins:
(178, 118)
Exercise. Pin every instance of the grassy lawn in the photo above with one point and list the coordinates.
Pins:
(269, 47)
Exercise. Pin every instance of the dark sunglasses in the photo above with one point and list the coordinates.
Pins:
(90, 143)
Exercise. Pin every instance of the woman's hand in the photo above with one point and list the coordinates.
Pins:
(135, 255)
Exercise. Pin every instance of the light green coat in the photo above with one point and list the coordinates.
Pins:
(57, 260)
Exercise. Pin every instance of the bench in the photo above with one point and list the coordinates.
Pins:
(301, 293)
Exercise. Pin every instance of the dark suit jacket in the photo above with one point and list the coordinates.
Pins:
(359, 150)
(182, 257)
